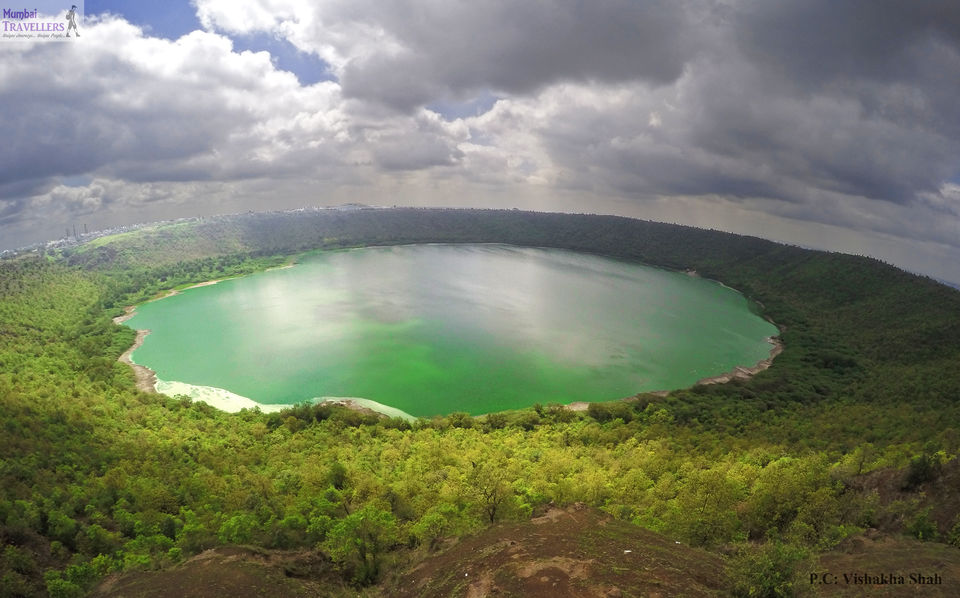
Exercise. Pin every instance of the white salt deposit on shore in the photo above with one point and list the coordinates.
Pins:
(220, 398)
(225, 400)
(358, 403)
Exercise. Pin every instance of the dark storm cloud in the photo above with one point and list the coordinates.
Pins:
(894, 65)
(793, 99)
(436, 49)
(95, 111)
(816, 42)
(461, 48)
(829, 141)
(899, 59)
(24, 187)
(784, 99)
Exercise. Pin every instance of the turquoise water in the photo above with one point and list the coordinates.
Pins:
(433, 329)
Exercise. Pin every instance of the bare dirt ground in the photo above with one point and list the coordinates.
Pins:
(232, 572)
(941, 495)
(912, 568)
(574, 552)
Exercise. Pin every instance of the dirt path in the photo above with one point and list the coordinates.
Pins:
(233, 572)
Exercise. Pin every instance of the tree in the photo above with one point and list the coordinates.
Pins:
(358, 541)
(704, 511)
(768, 571)
(434, 525)
(923, 468)
(488, 479)
(238, 529)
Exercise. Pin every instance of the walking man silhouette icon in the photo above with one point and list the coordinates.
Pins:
(72, 20)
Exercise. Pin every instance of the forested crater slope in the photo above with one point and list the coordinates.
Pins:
(851, 431)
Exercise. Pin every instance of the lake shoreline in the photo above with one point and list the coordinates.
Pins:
(230, 402)
(744, 373)
(737, 373)
(146, 379)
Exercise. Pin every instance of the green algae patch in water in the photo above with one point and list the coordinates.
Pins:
(433, 329)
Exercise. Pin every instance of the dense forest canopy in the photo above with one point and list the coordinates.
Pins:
(98, 477)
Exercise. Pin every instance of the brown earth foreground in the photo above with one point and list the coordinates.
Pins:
(233, 572)
(880, 565)
(565, 553)
(574, 552)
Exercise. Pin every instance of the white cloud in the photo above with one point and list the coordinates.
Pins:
(126, 106)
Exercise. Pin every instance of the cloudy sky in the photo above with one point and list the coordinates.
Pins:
(826, 124)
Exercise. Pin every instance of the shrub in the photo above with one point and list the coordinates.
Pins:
(494, 421)
(953, 537)
(923, 468)
(237, 529)
(768, 571)
(57, 587)
(358, 541)
(921, 527)
(460, 419)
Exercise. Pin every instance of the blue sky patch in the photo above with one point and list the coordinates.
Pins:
(173, 19)
(308, 68)
(474, 107)
(170, 19)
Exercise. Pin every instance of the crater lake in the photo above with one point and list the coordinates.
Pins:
(434, 329)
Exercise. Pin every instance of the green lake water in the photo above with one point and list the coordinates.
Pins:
(433, 329)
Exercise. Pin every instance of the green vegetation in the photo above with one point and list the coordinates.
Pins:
(97, 477)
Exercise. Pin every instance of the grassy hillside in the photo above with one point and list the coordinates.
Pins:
(98, 478)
